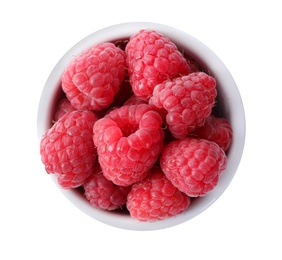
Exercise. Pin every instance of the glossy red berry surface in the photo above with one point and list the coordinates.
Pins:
(67, 148)
(155, 198)
(193, 165)
(152, 58)
(102, 193)
(128, 140)
(188, 101)
(94, 77)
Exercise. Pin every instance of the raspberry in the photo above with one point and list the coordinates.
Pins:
(63, 107)
(188, 101)
(151, 59)
(217, 130)
(128, 140)
(155, 198)
(67, 148)
(193, 165)
(93, 78)
(103, 193)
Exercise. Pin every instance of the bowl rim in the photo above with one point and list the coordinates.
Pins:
(233, 107)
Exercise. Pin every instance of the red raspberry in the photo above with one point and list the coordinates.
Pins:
(188, 101)
(129, 140)
(193, 165)
(67, 148)
(156, 198)
(93, 78)
(63, 107)
(151, 59)
(103, 193)
(217, 130)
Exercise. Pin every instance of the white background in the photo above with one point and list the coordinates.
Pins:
(37, 222)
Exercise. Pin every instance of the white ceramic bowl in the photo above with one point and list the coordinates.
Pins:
(229, 102)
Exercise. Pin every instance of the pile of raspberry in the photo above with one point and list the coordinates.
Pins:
(136, 129)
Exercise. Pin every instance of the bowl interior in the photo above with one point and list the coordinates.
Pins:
(229, 105)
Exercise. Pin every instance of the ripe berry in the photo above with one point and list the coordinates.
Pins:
(188, 101)
(129, 140)
(151, 59)
(103, 193)
(193, 165)
(94, 77)
(67, 148)
(155, 198)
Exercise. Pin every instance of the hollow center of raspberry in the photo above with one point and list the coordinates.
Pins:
(127, 129)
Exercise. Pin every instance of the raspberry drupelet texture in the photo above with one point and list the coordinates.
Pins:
(193, 165)
(188, 101)
(217, 130)
(67, 148)
(151, 59)
(103, 193)
(128, 140)
(94, 77)
(156, 198)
